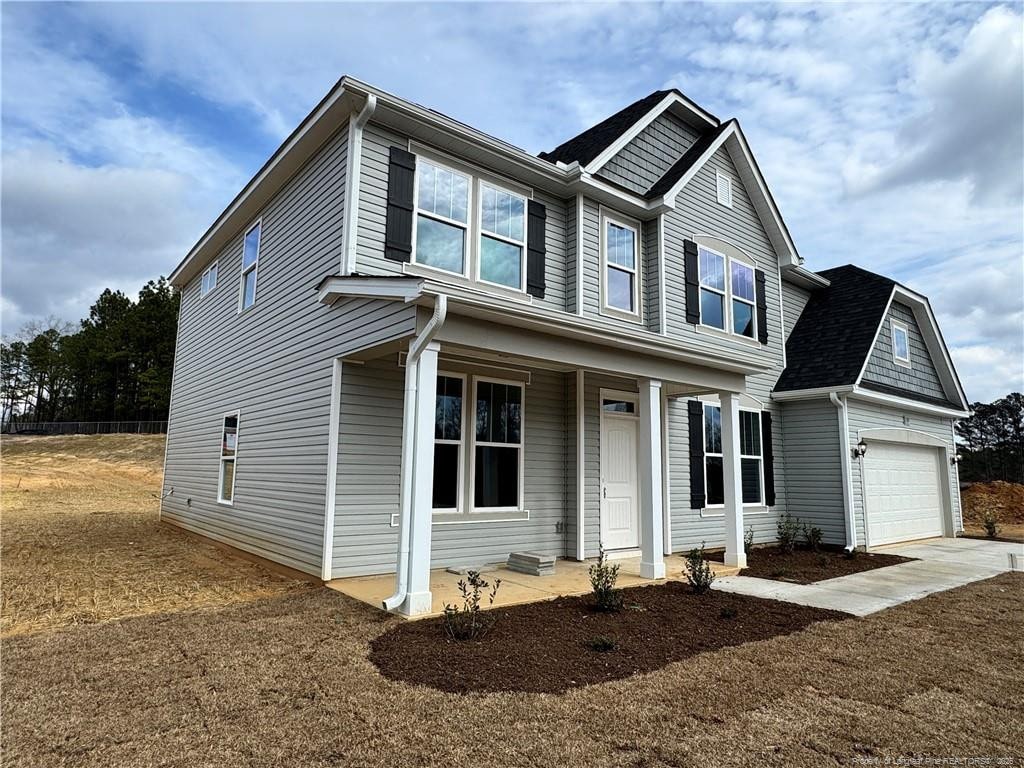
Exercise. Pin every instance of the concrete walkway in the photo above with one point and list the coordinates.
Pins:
(942, 564)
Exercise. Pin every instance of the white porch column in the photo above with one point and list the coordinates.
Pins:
(732, 477)
(418, 600)
(652, 523)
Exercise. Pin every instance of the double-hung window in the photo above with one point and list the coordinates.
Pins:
(751, 457)
(502, 236)
(448, 452)
(209, 280)
(250, 265)
(728, 298)
(442, 217)
(228, 453)
(498, 446)
(621, 273)
(900, 344)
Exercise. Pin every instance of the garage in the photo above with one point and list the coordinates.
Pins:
(903, 492)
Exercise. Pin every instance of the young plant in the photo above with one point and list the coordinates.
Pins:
(602, 644)
(788, 528)
(812, 537)
(748, 540)
(698, 571)
(602, 581)
(991, 526)
(468, 622)
(728, 612)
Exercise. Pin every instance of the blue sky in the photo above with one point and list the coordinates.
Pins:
(891, 134)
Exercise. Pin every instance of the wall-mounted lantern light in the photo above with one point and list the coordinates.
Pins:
(860, 449)
(955, 459)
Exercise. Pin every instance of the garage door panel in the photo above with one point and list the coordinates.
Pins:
(903, 494)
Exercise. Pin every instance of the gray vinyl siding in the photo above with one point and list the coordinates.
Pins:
(652, 296)
(571, 256)
(813, 466)
(882, 368)
(272, 363)
(369, 461)
(645, 159)
(863, 415)
(794, 299)
(377, 142)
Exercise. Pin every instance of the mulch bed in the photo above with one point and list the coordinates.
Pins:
(806, 567)
(546, 647)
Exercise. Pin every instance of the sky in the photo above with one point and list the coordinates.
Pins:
(891, 135)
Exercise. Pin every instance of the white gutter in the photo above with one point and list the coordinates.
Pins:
(409, 421)
(844, 460)
(354, 162)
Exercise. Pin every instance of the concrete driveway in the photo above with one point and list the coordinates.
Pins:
(941, 564)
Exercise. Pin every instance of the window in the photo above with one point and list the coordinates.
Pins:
(209, 280)
(502, 236)
(250, 265)
(448, 443)
(900, 343)
(751, 474)
(498, 445)
(618, 406)
(724, 278)
(622, 282)
(723, 187)
(442, 217)
(228, 451)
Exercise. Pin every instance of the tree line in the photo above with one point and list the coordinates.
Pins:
(116, 366)
(992, 441)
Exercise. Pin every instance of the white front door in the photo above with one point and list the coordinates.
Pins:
(902, 491)
(620, 496)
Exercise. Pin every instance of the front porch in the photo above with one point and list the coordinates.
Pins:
(571, 578)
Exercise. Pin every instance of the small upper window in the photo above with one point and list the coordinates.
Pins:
(621, 276)
(723, 185)
(900, 344)
(209, 280)
(502, 236)
(442, 217)
(250, 265)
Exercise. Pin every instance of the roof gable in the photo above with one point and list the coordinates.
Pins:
(920, 376)
(650, 154)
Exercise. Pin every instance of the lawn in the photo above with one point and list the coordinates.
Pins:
(205, 671)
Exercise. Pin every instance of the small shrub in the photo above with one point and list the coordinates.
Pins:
(778, 573)
(698, 571)
(467, 622)
(824, 561)
(728, 612)
(602, 644)
(991, 526)
(812, 537)
(748, 540)
(788, 528)
(602, 581)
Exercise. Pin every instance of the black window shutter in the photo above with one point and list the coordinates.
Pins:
(535, 248)
(692, 274)
(401, 181)
(696, 430)
(768, 459)
(762, 307)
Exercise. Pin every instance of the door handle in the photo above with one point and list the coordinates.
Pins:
(604, 491)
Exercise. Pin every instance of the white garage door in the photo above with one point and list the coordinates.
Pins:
(902, 492)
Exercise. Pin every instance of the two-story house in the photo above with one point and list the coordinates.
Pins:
(407, 344)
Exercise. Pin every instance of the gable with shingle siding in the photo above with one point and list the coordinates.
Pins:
(647, 158)
(920, 377)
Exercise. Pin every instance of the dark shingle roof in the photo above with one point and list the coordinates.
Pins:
(593, 141)
(836, 330)
(686, 162)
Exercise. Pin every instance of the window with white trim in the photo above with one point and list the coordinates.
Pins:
(502, 236)
(448, 443)
(442, 217)
(498, 445)
(621, 267)
(228, 455)
(209, 280)
(728, 294)
(751, 457)
(723, 188)
(250, 265)
(900, 343)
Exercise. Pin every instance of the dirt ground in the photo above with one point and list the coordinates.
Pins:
(804, 566)
(81, 539)
(285, 680)
(1004, 500)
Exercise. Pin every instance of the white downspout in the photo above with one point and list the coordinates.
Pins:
(354, 162)
(844, 456)
(409, 421)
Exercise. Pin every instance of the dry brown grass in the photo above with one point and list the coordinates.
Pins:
(81, 539)
(1005, 501)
